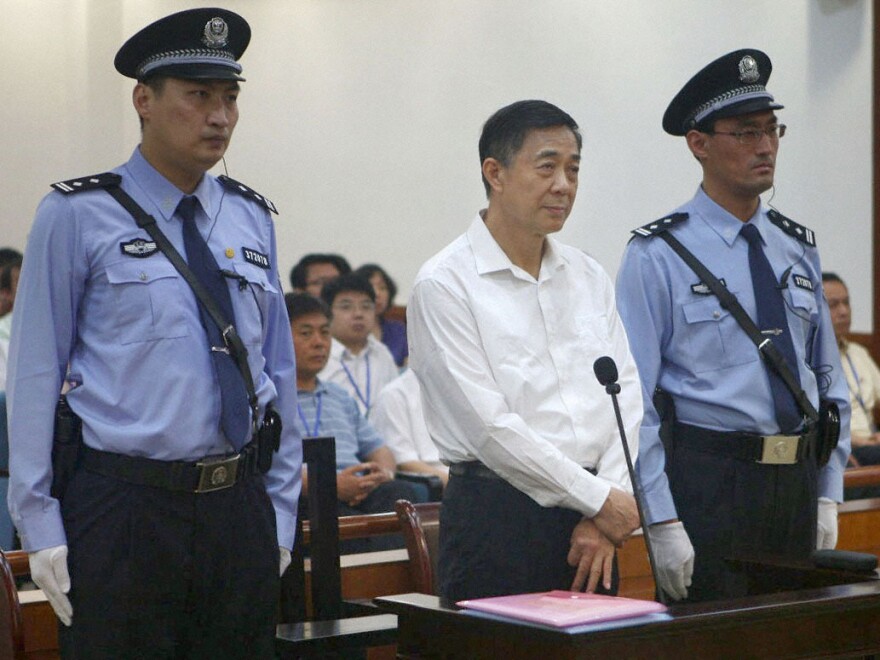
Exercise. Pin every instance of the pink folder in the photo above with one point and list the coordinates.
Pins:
(563, 608)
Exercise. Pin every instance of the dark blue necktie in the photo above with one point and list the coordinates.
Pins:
(235, 414)
(772, 323)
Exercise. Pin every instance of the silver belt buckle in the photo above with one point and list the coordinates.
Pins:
(217, 474)
(780, 449)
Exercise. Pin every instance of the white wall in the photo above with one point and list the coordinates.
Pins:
(360, 118)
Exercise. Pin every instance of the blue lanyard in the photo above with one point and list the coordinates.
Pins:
(357, 390)
(313, 432)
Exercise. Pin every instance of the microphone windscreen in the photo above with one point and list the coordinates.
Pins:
(605, 370)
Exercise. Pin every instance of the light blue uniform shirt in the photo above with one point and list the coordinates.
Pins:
(340, 418)
(130, 330)
(688, 345)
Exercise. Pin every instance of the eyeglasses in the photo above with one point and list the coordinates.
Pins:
(752, 136)
(347, 307)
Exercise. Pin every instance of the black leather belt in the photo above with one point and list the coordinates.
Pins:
(203, 476)
(479, 470)
(767, 449)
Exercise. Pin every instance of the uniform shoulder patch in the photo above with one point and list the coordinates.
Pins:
(92, 182)
(792, 228)
(661, 225)
(244, 191)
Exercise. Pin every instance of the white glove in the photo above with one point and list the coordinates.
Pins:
(49, 573)
(826, 530)
(285, 559)
(674, 555)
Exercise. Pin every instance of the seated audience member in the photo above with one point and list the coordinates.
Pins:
(398, 418)
(9, 272)
(365, 466)
(314, 270)
(8, 256)
(390, 332)
(862, 374)
(359, 362)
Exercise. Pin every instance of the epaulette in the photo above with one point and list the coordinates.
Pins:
(244, 191)
(661, 225)
(93, 182)
(792, 228)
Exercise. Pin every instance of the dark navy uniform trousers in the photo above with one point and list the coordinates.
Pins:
(731, 506)
(162, 574)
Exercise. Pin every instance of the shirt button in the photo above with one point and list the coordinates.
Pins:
(716, 314)
(143, 277)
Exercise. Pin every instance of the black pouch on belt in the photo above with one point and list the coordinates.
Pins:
(66, 442)
(269, 439)
(665, 407)
(829, 431)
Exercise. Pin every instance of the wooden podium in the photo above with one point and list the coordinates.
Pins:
(824, 619)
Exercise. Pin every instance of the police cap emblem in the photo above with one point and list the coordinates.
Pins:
(216, 34)
(748, 69)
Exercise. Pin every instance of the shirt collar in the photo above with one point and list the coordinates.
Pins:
(164, 194)
(320, 388)
(340, 350)
(490, 258)
(724, 223)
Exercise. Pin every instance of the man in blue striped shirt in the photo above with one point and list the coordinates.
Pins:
(365, 466)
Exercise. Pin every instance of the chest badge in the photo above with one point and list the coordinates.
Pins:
(702, 289)
(802, 282)
(139, 247)
(255, 257)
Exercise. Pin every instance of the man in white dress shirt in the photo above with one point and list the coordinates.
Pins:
(505, 324)
(359, 363)
(399, 419)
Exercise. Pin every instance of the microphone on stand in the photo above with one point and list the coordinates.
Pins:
(606, 373)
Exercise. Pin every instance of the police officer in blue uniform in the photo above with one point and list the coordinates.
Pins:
(737, 475)
(170, 535)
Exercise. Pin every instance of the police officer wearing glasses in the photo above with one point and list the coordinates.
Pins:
(734, 470)
(168, 538)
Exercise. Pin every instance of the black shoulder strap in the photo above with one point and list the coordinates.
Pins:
(768, 351)
(227, 330)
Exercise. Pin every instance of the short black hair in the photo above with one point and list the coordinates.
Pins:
(299, 273)
(368, 270)
(9, 255)
(828, 276)
(505, 131)
(301, 304)
(345, 283)
(6, 270)
(156, 82)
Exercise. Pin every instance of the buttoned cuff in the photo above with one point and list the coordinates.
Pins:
(41, 530)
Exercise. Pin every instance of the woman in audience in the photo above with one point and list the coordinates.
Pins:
(390, 332)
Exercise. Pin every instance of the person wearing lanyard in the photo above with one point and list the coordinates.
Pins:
(359, 363)
(862, 374)
(365, 466)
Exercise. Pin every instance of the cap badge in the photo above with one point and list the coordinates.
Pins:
(216, 34)
(748, 69)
